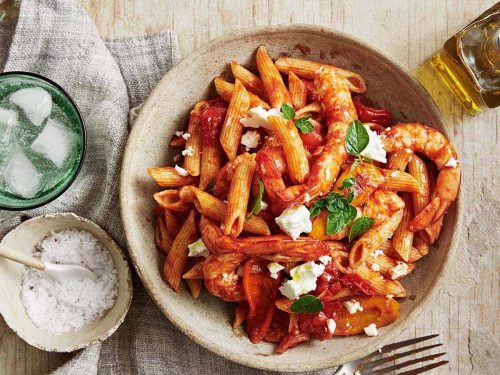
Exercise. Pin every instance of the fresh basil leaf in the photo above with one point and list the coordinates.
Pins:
(256, 205)
(315, 209)
(288, 111)
(338, 220)
(356, 138)
(304, 125)
(336, 202)
(360, 226)
(350, 196)
(348, 182)
(307, 305)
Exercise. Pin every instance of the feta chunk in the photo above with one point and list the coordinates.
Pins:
(451, 163)
(181, 171)
(179, 133)
(250, 139)
(198, 249)
(294, 221)
(256, 117)
(353, 306)
(303, 280)
(325, 259)
(263, 205)
(371, 330)
(274, 268)
(375, 267)
(375, 149)
(186, 136)
(331, 325)
(188, 151)
(399, 270)
(377, 252)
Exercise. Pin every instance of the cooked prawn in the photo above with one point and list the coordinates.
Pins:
(434, 145)
(220, 274)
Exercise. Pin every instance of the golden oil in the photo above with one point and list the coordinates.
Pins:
(469, 63)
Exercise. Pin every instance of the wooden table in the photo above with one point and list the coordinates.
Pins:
(466, 311)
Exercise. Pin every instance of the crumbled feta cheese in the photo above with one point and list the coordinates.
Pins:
(399, 270)
(198, 249)
(230, 276)
(186, 136)
(325, 259)
(390, 296)
(263, 205)
(274, 268)
(377, 252)
(307, 197)
(294, 221)
(394, 174)
(353, 306)
(250, 139)
(371, 330)
(375, 149)
(257, 117)
(179, 133)
(331, 325)
(181, 171)
(303, 280)
(188, 151)
(375, 267)
(451, 163)
(348, 324)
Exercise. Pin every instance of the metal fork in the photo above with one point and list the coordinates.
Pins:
(370, 365)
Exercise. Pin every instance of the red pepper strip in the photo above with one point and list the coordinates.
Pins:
(367, 114)
(261, 291)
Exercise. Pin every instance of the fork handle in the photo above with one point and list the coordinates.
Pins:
(19, 257)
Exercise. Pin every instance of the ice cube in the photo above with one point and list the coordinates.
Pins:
(35, 102)
(8, 121)
(21, 176)
(54, 142)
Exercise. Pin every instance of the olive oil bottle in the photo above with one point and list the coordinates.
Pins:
(469, 63)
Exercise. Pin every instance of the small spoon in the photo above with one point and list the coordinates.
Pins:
(59, 272)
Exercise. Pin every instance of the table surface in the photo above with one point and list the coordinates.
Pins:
(465, 313)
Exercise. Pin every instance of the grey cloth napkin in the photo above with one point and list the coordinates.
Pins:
(56, 38)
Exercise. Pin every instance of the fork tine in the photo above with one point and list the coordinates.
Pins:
(402, 344)
(382, 361)
(407, 363)
(424, 369)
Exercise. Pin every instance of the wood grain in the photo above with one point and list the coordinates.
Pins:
(466, 311)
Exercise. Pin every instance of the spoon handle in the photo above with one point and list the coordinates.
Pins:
(19, 257)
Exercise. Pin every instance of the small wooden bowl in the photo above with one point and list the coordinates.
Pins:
(207, 320)
(23, 238)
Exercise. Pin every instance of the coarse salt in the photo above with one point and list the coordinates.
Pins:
(65, 307)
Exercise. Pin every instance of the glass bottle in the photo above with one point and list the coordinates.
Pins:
(469, 63)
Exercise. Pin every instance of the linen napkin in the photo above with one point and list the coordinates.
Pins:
(56, 39)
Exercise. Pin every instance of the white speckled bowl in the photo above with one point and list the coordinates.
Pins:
(23, 238)
(207, 320)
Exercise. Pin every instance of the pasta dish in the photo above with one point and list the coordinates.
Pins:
(296, 200)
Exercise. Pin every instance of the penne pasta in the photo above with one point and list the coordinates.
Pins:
(298, 91)
(418, 169)
(240, 314)
(388, 250)
(399, 160)
(225, 90)
(239, 192)
(171, 200)
(251, 82)
(177, 256)
(402, 241)
(380, 285)
(420, 242)
(195, 272)
(211, 152)
(308, 69)
(172, 222)
(384, 264)
(215, 209)
(232, 128)
(273, 82)
(162, 238)
(314, 107)
(192, 160)
(194, 287)
(373, 239)
(400, 181)
(169, 178)
(295, 154)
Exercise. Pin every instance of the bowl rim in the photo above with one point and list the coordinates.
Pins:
(129, 287)
(84, 140)
(399, 325)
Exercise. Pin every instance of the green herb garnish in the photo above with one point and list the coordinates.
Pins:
(360, 226)
(257, 201)
(340, 212)
(288, 112)
(307, 305)
(304, 125)
(356, 138)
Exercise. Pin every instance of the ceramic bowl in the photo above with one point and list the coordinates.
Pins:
(23, 238)
(207, 319)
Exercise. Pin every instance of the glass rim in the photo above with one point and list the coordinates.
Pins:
(72, 179)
